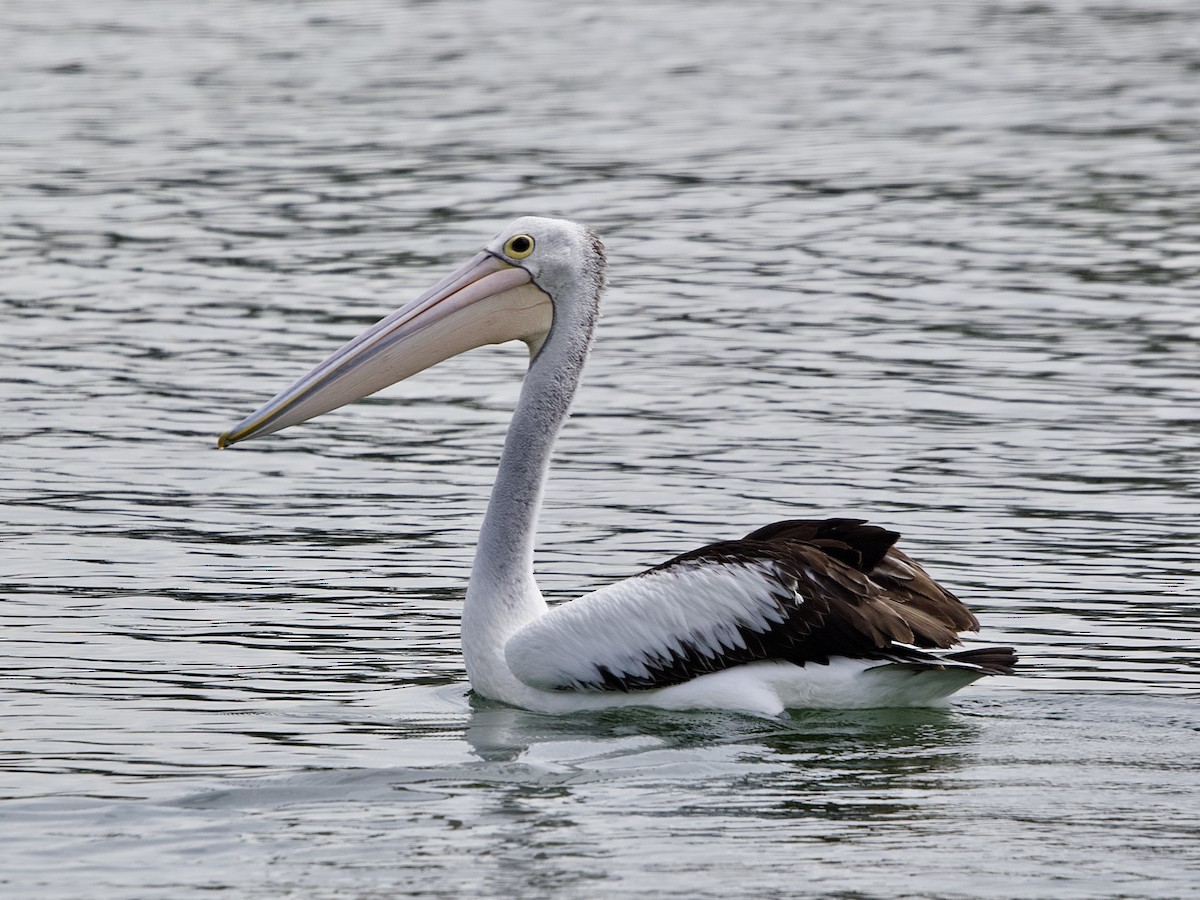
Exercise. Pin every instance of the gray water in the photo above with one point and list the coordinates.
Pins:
(935, 264)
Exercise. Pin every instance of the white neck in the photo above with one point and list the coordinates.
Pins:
(502, 594)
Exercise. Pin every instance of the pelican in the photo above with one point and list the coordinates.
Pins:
(797, 614)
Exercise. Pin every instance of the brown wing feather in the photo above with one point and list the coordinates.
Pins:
(932, 614)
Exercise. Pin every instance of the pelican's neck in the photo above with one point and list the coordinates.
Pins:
(505, 553)
(502, 594)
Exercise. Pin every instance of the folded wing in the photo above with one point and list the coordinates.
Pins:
(801, 591)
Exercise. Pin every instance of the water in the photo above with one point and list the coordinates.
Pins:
(935, 264)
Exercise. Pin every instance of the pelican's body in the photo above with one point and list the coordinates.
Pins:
(798, 614)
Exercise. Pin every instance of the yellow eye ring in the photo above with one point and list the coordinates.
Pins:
(518, 246)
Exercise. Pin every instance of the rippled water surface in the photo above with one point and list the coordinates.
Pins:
(932, 263)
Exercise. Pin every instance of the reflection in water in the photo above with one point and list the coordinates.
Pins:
(816, 765)
(935, 264)
(815, 778)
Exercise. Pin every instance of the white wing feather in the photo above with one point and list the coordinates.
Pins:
(626, 627)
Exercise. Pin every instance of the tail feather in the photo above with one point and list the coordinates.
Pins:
(979, 661)
(993, 660)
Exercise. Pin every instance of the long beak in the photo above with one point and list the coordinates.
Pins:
(487, 301)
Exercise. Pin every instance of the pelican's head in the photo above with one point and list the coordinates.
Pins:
(535, 274)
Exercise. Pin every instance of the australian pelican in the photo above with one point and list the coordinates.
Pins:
(821, 613)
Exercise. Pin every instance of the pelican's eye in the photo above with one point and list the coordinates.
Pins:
(518, 246)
